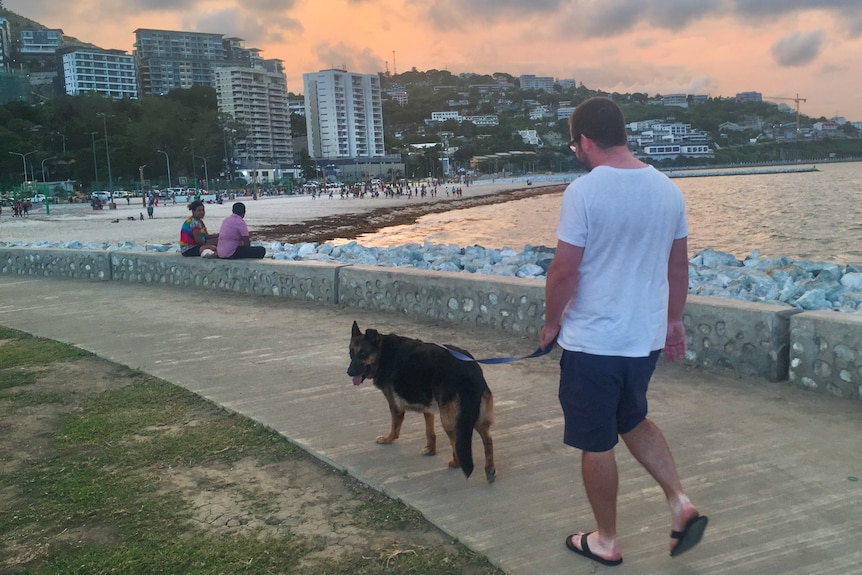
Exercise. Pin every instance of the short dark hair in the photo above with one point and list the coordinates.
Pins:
(195, 205)
(238, 208)
(601, 120)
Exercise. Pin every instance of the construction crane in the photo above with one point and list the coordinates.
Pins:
(797, 99)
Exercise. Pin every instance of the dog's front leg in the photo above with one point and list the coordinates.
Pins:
(395, 429)
(430, 435)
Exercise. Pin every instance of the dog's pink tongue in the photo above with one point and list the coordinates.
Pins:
(357, 379)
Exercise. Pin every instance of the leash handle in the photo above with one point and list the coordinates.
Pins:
(492, 360)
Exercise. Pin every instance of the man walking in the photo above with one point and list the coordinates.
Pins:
(614, 299)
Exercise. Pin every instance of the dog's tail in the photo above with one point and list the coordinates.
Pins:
(469, 405)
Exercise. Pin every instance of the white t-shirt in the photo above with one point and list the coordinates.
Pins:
(626, 220)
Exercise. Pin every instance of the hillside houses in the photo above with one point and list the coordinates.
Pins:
(659, 140)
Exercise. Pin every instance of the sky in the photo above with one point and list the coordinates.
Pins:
(782, 48)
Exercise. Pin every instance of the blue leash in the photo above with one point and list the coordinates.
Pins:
(538, 353)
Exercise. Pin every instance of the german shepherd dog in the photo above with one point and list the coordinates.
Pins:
(414, 375)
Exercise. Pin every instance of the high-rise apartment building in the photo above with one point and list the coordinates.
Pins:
(41, 42)
(168, 59)
(343, 114)
(531, 82)
(5, 44)
(106, 72)
(254, 94)
(749, 97)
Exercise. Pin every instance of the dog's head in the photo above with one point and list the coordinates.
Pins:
(364, 353)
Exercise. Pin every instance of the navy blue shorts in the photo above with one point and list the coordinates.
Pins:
(602, 397)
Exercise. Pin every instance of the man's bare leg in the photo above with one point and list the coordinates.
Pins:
(601, 482)
(649, 447)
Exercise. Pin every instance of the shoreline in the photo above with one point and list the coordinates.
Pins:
(286, 219)
(351, 226)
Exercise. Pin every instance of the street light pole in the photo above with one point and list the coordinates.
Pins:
(24, 160)
(194, 169)
(168, 162)
(206, 171)
(107, 152)
(141, 171)
(45, 183)
(95, 164)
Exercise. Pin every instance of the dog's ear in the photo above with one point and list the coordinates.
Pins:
(372, 336)
(356, 330)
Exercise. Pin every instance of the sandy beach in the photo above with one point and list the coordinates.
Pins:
(289, 219)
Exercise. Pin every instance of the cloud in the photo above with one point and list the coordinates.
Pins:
(580, 18)
(448, 15)
(851, 21)
(255, 30)
(266, 7)
(757, 8)
(847, 13)
(608, 18)
(674, 14)
(701, 85)
(201, 6)
(346, 57)
(156, 5)
(798, 48)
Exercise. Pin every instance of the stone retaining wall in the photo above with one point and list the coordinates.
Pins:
(826, 353)
(488, 301)
(296, 280)
(69, 264)
(819, 351)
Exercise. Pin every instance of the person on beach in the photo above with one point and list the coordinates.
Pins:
(614, 298)
(194, 239)
(233, 238)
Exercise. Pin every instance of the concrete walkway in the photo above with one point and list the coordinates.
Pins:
(771, 466)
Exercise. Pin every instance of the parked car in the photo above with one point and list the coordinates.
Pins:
(121, 194)
(37, 198)
(102, 196)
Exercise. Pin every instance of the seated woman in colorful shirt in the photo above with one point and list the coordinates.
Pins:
(194, 239)
(234, 242)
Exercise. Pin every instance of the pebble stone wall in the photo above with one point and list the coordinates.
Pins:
(69, 264)
(745, 337)
(819, 351)
(311, 281)
(486, 301)
(827, 355)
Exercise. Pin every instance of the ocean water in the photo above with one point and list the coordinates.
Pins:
(813, 216)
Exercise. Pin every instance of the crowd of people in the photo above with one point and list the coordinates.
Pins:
(375, 189)
(20, 208)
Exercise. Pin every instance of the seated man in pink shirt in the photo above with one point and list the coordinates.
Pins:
(233, 239)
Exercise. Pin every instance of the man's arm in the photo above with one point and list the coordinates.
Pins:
(244, 236)
(675, 345)
(560, 287)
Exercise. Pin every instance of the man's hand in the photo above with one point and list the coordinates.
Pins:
(675, 345)
(548, 336)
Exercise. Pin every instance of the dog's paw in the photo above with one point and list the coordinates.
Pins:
(490, 474)
(385, 439)
(429, 450)
(454, 464)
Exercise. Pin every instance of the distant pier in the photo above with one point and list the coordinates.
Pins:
(739, 171)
